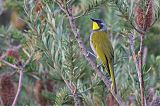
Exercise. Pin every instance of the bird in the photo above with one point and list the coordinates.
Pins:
(102, 48)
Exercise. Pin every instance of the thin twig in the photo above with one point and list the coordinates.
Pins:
(135, 59)
(141, 70)
(29, 59)
(19, 87)
(9, 64)
(21, 68)
(74, 29)
(145, 51)
(84, 13)
(139, 64)
(74, 91)
(21, 79)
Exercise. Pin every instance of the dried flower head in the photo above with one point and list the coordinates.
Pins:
(39, 87)
(144, 17)
(50, 85)
(7, 89)
(150, 14)
(139, 15)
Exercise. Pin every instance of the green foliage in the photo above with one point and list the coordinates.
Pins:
(61, 96)
(16, 5)
(59, 58)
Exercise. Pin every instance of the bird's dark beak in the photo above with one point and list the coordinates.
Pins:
(93, 19)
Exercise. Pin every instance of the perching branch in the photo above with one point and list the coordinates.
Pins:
(134, 56)
(141, 69)
(19, 86)
(9, 64)
(139, 64)
(68, 12)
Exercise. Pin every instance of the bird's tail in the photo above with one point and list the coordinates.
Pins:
(111, 72)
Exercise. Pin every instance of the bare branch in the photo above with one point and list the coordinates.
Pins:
(19, 87)
(139, 64)
(29, 60)
(9, 64)
(135, 59)
(141, 70)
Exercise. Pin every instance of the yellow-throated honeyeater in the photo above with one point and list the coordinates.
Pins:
(102, 47)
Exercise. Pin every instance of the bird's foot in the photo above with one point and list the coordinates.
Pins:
(90, 53)
(99, 65)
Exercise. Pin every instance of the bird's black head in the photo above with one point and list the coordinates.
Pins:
(98, 24)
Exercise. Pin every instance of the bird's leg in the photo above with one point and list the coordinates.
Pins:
(99, 65)
(90, 53)
(99, 62)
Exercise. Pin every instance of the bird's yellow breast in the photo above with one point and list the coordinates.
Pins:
(102, 46)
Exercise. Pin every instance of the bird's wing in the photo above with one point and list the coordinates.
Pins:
(106, 46)
(102, 46)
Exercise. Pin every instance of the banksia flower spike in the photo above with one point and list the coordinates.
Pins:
(139, 16)
(150, 14)
(7, 89)
(39, 87)
(50, 85)
(144, 17)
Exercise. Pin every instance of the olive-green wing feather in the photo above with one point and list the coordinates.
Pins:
(104, 51)
(101, 42)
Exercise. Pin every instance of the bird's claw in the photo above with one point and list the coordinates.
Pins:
(90, 53)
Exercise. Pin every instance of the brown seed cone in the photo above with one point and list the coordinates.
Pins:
(50, 85)
(7, 89)
(144, 18)
(39, 87)
(150, 14)
(139, 16)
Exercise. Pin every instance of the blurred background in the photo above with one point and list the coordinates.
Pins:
(42, 29)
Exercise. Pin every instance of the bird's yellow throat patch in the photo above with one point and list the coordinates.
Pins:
(95, 26)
